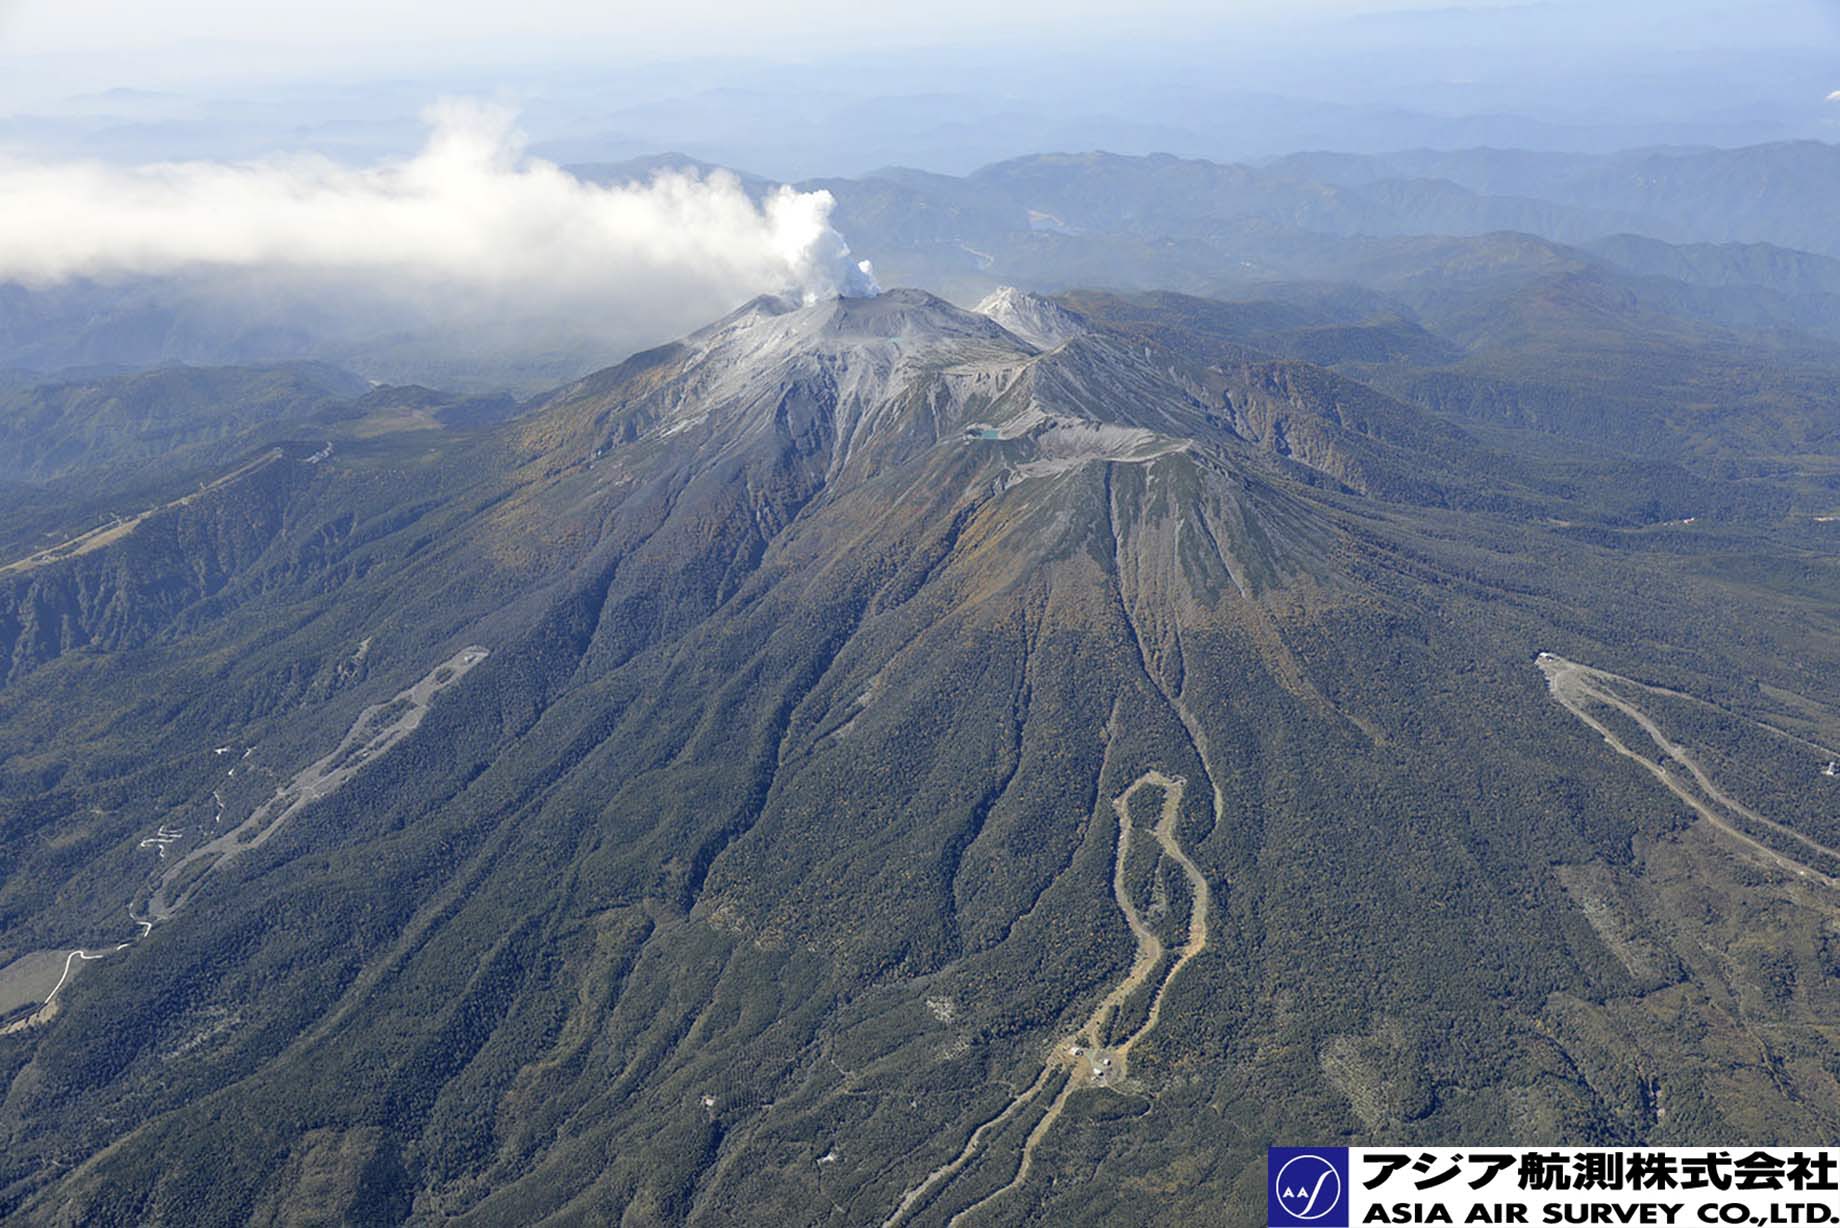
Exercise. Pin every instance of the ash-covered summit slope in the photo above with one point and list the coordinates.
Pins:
(1037, 319)
(776, 848)
(875, 383)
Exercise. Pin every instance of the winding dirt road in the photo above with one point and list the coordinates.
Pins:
(1083, 1056)
(1576, 686)
(48, 1008)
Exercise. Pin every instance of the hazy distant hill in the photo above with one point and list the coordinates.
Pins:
(54, 429)
(1771, 193)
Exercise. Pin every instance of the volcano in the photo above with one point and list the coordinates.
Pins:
(871, 761)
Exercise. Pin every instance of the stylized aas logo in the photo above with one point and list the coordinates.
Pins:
(1307, 1186)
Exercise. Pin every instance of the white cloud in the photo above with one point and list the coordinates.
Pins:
(468, 230)
(1834, 97)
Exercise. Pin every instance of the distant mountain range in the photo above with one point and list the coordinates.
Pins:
(1427, 237)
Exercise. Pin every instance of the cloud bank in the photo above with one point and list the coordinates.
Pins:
(467, 233)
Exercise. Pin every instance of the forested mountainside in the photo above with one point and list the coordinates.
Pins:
(870, 761)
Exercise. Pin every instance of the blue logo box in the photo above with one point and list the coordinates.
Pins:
(1307, 1187)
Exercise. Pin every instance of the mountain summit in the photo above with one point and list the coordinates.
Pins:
(1035, 318)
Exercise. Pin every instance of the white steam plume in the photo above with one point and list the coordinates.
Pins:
(469, 229)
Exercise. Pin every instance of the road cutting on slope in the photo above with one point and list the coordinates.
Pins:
(120, 527)
(1577, 686)
(377, 730)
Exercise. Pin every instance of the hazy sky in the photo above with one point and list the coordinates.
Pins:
(232, 37)
(682, 27)
(839, 86)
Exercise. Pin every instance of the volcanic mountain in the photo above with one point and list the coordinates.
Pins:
(872, 762)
